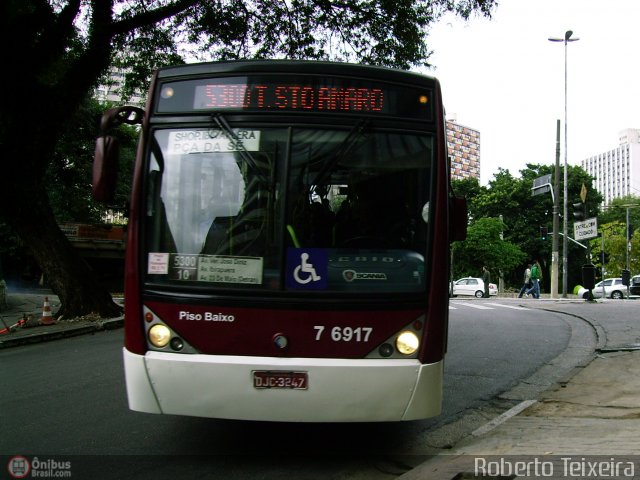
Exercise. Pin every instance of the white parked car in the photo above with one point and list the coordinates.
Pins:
(613, 288)
(472, 286)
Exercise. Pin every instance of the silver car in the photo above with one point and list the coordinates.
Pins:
(613, 288)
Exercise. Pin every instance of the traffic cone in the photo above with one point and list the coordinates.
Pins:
(47, 318)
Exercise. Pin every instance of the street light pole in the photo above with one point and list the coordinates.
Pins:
(628, 241)
(565, 244)
(556, 220)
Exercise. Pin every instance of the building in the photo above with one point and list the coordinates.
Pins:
(110, 90)
(617, 172)
(464, 149)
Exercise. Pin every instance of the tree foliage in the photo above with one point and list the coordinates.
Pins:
(485, 247)
(378, 32)
(617, 211)
(69, 172)
(613, 223)
(58, 51)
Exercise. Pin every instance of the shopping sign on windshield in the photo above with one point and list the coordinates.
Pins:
(213, 141)
(586, 229)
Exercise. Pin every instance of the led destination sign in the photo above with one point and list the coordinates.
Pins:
(295, 93)
(289, 97)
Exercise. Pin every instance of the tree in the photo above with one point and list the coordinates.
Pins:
(617, 211)
(484, 246)
(70, 169)
(613, 223)
(470, 189)
(58, 51)
(67, 178)
(616, 249)
(522, 215)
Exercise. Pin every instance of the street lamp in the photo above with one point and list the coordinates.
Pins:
(565, 243)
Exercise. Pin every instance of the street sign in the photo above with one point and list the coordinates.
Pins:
(541, 185)
(586, 229)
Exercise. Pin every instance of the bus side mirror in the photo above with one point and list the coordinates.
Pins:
(458, 219)
(105, 168)
(105, 160)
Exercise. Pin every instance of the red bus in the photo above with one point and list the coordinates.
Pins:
(288, 242)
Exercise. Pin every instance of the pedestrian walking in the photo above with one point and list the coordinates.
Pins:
(486, 278)
(536, 275)
(526, 281)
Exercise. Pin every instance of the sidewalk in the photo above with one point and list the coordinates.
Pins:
(31, 305)
(591, 422)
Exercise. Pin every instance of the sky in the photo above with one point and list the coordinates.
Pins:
(503, 77)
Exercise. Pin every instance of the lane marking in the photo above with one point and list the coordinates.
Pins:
(488, 306)
(514, 307)
(471, 305)
(499, 420)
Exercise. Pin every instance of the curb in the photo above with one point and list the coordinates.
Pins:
(526, 393)
(71, 331)
(600, 333)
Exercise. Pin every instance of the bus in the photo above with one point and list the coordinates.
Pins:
(288, 242)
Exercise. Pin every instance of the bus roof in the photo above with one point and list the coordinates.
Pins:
(292, 66)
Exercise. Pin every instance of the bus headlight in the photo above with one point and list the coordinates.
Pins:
(407, 342)
(159, 335)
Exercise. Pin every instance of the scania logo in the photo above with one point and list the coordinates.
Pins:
(351, 275)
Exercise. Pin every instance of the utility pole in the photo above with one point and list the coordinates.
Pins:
(555, 255)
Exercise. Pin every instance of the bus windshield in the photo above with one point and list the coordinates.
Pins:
(288, 209)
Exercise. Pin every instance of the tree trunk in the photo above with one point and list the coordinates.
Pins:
(65, 271)
(29, 135)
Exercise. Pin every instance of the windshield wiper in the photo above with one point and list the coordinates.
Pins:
(222, 123)
(342, 150)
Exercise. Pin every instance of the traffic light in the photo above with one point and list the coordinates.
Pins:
(543, 233)
(580, 211)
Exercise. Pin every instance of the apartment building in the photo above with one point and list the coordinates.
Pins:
(617, 171)
(110, 90)
(464, 148)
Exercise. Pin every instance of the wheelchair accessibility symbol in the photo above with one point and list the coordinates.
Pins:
(304, 273)
(307, 268)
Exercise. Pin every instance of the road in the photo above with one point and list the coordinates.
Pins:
(67, 398)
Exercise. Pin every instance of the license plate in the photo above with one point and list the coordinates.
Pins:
(291, 380)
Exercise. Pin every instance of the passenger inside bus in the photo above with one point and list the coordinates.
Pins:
(374, 215)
